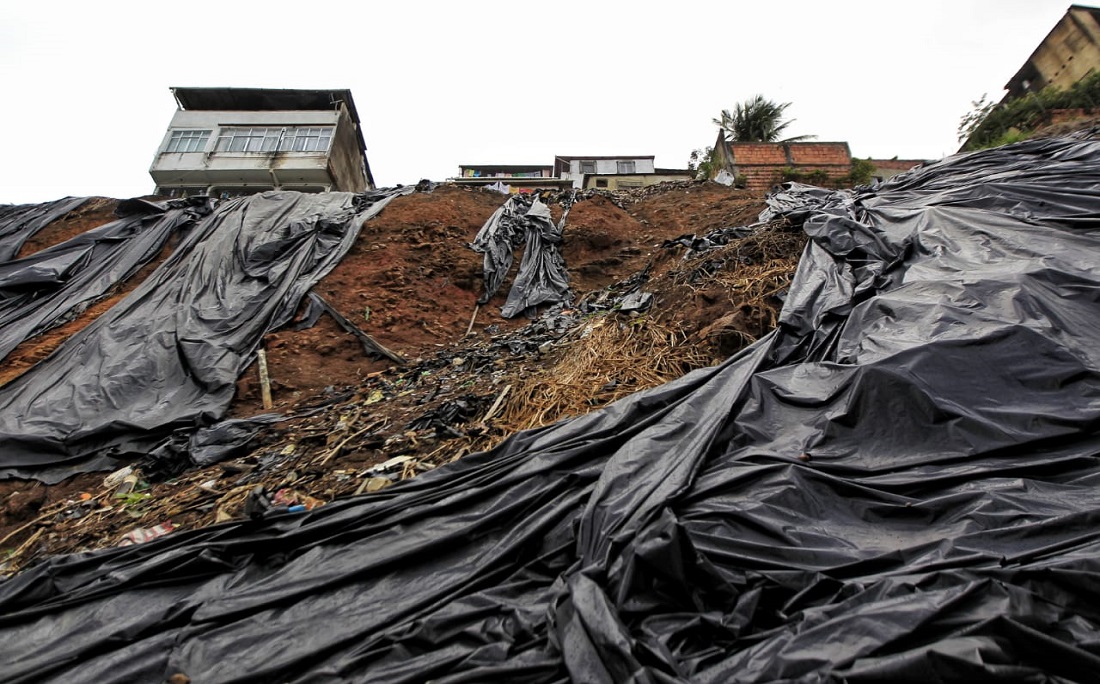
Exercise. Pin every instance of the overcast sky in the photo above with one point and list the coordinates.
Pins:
(437, 84)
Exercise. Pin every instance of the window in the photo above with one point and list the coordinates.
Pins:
(188, 141)
(588, 167)
(307, 140)
(624, 167)
(601, 182)
(290, 139)
(248, 139)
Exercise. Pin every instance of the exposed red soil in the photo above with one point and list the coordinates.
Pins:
(697, 208)
(412, 282)
(602, 244)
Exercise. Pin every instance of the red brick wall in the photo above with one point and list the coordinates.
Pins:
(762, 178)
(763, 163)
(821, 154)
(1058, 116)
(896, 165)
(760, 182)
(758, 153)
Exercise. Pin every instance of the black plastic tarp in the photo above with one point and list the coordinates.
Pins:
(899, 484)
(51, 286)
(19, 222)
(168, 355)
(542, 277)
(498, 239)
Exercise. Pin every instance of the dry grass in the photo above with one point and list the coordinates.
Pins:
(601, 361)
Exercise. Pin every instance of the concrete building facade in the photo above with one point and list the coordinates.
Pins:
(625, 181)
(576, 168)
(514, 177)
(610, 173)
(1069, 53)
(232, 141)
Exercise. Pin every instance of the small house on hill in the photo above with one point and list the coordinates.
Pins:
(614, 172)
(514, 177)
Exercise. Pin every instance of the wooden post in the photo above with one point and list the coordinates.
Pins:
(496, 404)
(473, 318)
(265, 381)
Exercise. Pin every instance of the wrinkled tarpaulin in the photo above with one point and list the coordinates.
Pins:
(19, 222)
(900, 484)
(542, 275)
(52, 286)
(168, 355)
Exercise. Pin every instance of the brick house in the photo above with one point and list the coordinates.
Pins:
(763, 164)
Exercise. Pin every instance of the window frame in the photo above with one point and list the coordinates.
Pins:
(188, 140)
(626, 167)
(245, 140)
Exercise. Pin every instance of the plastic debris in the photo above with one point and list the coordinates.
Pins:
(144, 534)
(542, 277)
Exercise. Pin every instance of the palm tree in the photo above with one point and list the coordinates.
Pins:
(757, 120)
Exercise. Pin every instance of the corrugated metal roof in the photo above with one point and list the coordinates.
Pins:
(263, 99)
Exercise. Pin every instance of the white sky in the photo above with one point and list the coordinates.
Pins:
(86, 99)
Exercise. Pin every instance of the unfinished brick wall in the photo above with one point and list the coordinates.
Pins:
(758, 154)
(763, 163)
(1058, 116)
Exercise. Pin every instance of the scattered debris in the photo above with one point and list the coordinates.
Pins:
(144, 534)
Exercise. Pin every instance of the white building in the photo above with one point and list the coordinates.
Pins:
(576, 168)
(232, 141)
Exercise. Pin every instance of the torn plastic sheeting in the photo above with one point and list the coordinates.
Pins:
(795, 200)
(636, 301)
(542, 275)
(168, 355)
(715, 238)
(497, 239)
(52, 286)
(205, 446)
(20, 222)
(907, 494)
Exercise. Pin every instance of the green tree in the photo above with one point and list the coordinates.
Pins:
(703, 162)
(979, 111)
(757, 120)
(1014, 119)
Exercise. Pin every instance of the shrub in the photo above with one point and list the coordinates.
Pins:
(990, 126)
